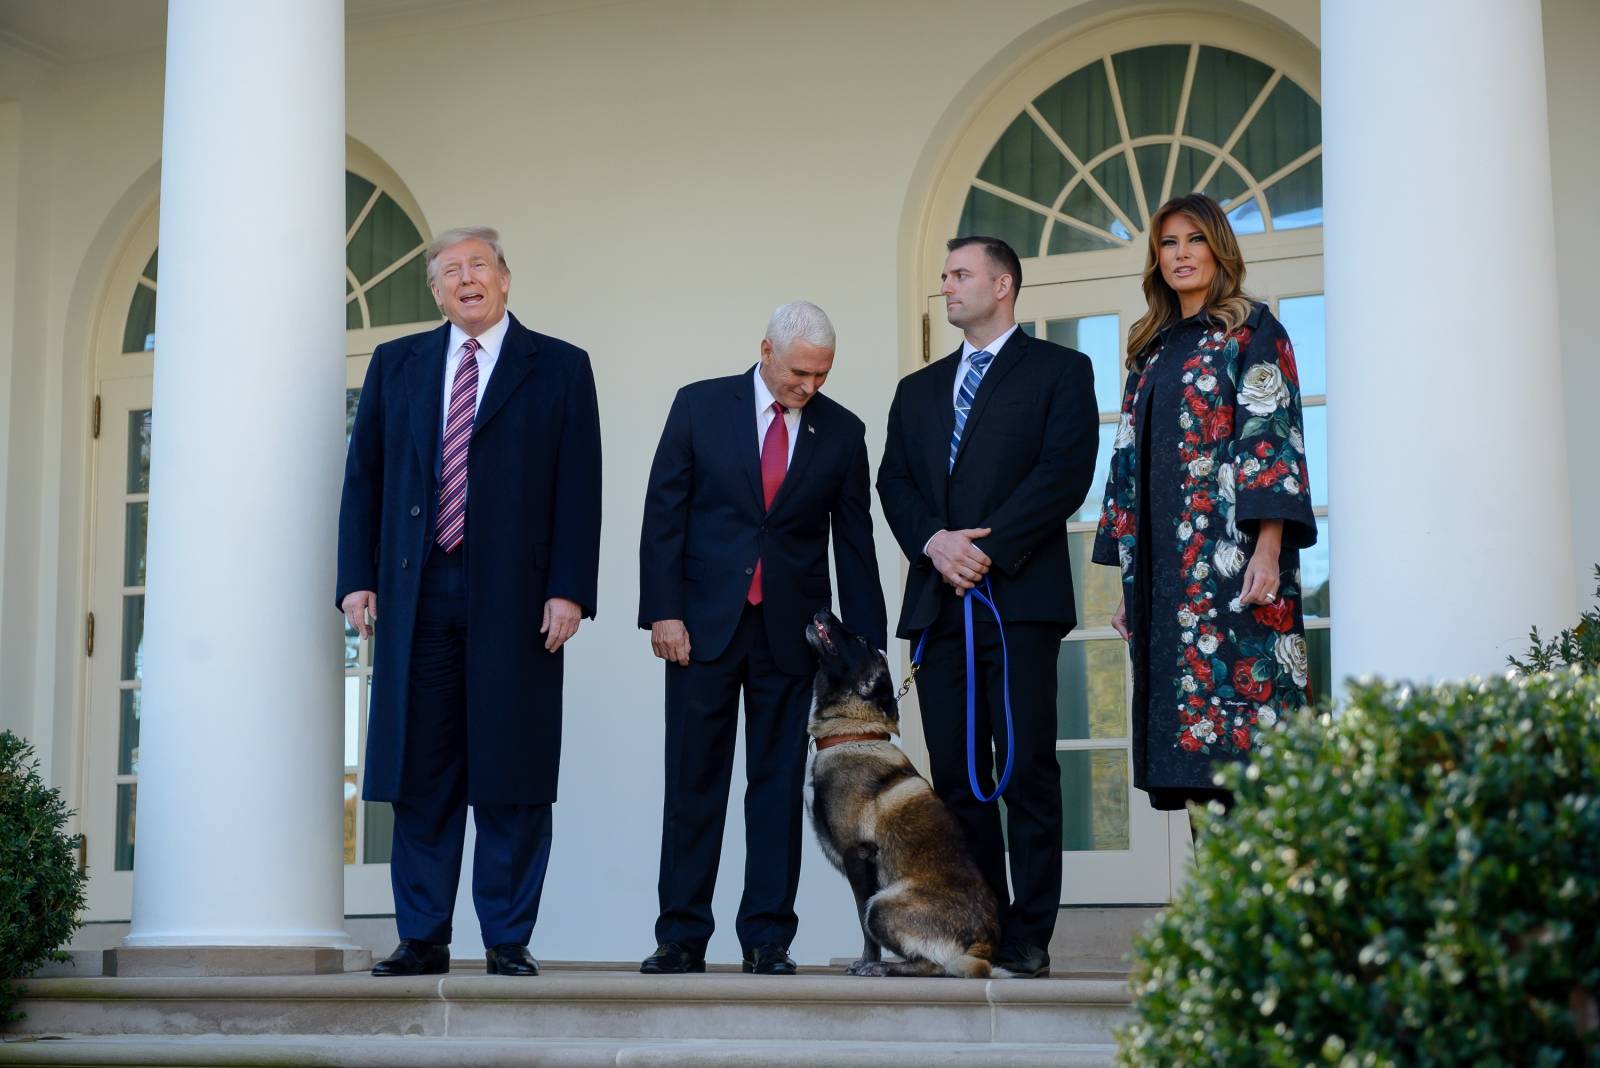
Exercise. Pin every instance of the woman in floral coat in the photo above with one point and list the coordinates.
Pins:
(1206, 512)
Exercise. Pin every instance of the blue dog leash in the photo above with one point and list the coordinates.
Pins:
(987, 597)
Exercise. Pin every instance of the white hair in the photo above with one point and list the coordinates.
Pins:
(800, 320)
(487, 234)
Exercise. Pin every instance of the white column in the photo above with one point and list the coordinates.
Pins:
(1447, 469)
(239, 829)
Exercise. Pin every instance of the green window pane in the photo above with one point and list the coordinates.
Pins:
(357, 191)
(1152, 163)
(1065, 239)
(1315, 594)
(380, 833)
(1025, 162)
(128, 734)
(1151, 81)
(1099, 338)
(150, 268)
(385, 236)
(1078, 107)
(403, 297)
(1302, 318)
(1085, 204)
(1092, 686)
(139, 451)
(127, 796)
(1318, 644)
(1296, 199)
(1225, 85)
(1094, 800)
(1191, 167)
(1096, 590)
(1017, 226)
(1288, 126)
(352, 315)
(136, 527)
(1089, 512)
(1115, 178)
(133, 636)
(139, 333)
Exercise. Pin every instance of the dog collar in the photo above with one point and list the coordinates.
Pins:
(841, 739)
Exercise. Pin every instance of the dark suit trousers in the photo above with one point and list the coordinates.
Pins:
(513, 849)
(702, 723)
(1033, 798)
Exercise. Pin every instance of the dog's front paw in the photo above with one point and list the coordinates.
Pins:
(868, 967)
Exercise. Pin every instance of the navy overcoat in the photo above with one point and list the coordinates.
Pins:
(533, 532)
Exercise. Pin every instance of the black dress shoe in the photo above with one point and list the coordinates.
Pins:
(509, 958)
(413, 956)
(769, 960)
(673, 958)
(1023, 961)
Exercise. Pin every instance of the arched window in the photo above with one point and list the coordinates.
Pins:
(1092, 157)
(385, 277)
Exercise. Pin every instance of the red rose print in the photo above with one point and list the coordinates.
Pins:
(1122, 525)
(1263, 450)
(1244, 334)
(1248, 686)
(1188, 742)
(1277, 615)
(1286, 363)
(1201, 502)
(1241, 737)
(1220, 425)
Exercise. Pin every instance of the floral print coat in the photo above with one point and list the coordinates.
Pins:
(1211, 442)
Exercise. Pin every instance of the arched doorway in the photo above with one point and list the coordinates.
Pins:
(1067, 161)
(386, 296)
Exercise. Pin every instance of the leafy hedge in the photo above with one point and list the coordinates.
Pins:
(1577, 646)
(41, 888)
(1416, 883)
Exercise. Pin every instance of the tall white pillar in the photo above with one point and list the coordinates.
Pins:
(239, 806)
(1447, 468)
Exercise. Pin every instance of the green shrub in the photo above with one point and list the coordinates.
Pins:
(1577, 646)
(1414, 883)
(41, 888)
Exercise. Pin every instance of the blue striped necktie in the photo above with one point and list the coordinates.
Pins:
(969, 389)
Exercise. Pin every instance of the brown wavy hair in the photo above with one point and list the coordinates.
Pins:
(1226, 301)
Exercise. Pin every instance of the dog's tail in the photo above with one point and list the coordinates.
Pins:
(967, 966)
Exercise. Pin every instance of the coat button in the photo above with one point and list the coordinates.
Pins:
(749, 571)
(405, 561)
(416, 510)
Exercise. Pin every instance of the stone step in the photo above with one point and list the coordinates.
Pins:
(616, 1007)
(394, 1052)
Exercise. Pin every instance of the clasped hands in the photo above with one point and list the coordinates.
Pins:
(959, 562)
(561, 617)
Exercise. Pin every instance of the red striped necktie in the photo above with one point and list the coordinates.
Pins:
(452, 524)
(774, 463)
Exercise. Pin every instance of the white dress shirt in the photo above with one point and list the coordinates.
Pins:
(491, 340)
(967, 350)
(765, 414)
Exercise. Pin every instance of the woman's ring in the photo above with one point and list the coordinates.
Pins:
(1271, 597)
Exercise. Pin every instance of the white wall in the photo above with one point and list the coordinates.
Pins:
(1572, 41)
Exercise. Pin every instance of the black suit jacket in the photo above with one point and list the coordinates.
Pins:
(1024, 466)
(705, 524)
(533, 532)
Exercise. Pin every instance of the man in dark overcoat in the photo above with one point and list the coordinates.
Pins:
(471, 514)
(989, 451)
(752, 473)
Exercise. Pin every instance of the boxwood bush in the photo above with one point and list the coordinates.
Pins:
(1414, 883)
(41, 888)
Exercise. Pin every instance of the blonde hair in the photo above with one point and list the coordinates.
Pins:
(1225, 300)
(487, 234)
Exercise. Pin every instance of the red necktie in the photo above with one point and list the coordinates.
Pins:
(774, 462)
(452, 524)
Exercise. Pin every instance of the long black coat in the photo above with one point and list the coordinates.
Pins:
(706, 524)
(1024, 465)
(533, 532)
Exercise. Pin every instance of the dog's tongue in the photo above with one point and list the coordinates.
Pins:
(822, 632)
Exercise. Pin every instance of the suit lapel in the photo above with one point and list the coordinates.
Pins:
(943, 382)
(516, 362)
(805, 447)
(425, 393)
(741, 420)
(1005, 361)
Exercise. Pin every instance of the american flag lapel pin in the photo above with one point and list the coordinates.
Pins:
(810, 429)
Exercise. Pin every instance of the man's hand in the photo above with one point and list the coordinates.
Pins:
(358, 608)
(669, 639)
(561, 618)
(962, 563)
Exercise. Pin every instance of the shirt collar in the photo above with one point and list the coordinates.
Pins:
(993, 347)
(490, 340)
(764, 397)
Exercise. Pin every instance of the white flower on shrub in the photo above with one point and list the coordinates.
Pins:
(1124, 432)
(1207, 644)
(1265, 716)
(1229, 559)
(1290, 652)
(1263, 390)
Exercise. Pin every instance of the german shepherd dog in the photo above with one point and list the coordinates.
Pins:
(917, 889)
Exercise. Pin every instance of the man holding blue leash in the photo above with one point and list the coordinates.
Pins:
(989, 451)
